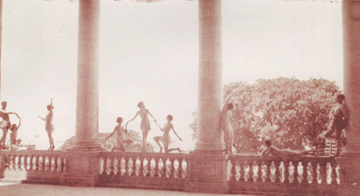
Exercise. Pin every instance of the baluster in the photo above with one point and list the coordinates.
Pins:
(267, 171)
(180, 168)
(58, 164)
(233, 170)
(312, 173)
(30, 163)
(162, 170)
(47, 163)
(300, 172)
(122, 166)
(263, 173)
(132, 166)
(256, 170)
(65, 167)
(273, 170)
(36, 163)
(277, 171)
(127, 172)
(26, 162)
(118, 166)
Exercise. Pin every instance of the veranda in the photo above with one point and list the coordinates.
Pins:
(205, 169)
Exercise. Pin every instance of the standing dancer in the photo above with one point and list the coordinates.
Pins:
(145, 123)
(49, 127)
(165, 139)
(225, 125)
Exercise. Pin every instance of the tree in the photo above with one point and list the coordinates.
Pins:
(290, 112)
(133, 147)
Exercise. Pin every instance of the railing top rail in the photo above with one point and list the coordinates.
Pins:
(256, 157)
(148, 154)
(33, 152)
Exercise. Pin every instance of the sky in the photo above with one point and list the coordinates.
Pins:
(149, 52)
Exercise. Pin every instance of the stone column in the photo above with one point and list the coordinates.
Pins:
(208, 166)
(0, 41)
(87, 103)
(350, 160)
(209, 138)
(83, 159)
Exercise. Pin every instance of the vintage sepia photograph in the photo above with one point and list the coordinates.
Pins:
(179, 97)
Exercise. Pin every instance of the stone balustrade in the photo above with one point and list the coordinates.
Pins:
(308, 175)
(248, 174)
(34, 166)
(143, 170)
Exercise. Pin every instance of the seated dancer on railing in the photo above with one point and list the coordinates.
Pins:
(339, 118)
(283, 153)
(225, 125)
(165, 139)
(145, 123)
(49, 127)
(4, 124)
(120, 139)
(14, 143)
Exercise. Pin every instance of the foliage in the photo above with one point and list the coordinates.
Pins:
(288, 111)
(135, 146)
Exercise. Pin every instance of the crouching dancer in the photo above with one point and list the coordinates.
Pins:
(120, 139)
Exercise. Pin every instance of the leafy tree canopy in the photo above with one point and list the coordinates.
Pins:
(288, 111)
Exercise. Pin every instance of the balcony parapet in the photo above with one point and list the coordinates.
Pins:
(307, 175)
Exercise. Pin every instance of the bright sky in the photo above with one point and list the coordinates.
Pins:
(149, 52)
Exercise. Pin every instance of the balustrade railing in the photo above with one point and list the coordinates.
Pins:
(143, 170)
(313, 175)
(249, 174)
(41, 166)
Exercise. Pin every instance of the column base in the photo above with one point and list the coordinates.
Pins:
(211, 148)
(87, 146)
(83, 169)
(209, 173)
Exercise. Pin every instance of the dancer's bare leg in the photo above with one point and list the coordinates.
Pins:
(157, 140)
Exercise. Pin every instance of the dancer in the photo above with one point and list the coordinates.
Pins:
(49, 127)
(339, 117)
(145, 123)
(283, 153)
(225, 125)
(165, 139)
(5, 123)
(14, 143)
(120, 141)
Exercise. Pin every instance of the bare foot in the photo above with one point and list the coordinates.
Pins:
(160, 149)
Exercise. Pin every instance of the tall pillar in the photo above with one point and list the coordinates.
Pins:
(82, 160)
(209, 138)
(208, 166)
(350, 160)
(87, 103)
(0, 41)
